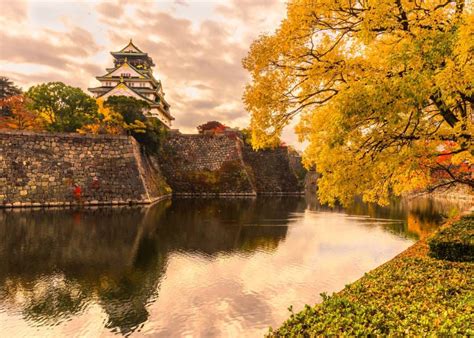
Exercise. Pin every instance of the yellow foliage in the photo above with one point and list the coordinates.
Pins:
(383, 89)
(110, 123)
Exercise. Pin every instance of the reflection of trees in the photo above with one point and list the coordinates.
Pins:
(54, 262)
(420, 215)
(211, 226)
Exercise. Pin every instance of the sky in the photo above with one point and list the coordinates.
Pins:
(197, 47)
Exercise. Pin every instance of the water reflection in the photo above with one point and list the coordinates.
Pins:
(57, 260)
(418, 216)
(220, 266)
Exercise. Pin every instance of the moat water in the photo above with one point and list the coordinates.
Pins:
(191, 267)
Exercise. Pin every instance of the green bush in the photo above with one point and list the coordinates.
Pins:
(455, 243)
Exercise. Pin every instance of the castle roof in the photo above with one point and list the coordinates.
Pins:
(133, 52)
(131, 48)
(123, 65)
(132, 65)
(140, 95)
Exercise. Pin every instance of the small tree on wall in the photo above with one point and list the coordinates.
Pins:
(211, 127)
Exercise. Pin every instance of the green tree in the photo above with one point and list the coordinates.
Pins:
(384, 90)
(147, 131)
(62, 107)
(153, 136)
(7, 89)
(130, 108)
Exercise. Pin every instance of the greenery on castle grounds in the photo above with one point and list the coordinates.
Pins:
(62, 108)
(7, 89)
(384, 91)
(147, 131)
(57, 107)
(413, 294)
(455, 243)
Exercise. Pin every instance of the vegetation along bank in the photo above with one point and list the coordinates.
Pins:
(428, 289)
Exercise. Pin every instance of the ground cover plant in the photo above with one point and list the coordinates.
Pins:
(455, 243)
(413, 294)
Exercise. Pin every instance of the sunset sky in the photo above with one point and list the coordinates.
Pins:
(197, 47)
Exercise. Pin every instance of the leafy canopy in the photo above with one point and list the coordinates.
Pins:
(63, 108)
(19, 116)
(111, 122)
(148, 131)
(384, 91)
(129, 107)
(8, 88)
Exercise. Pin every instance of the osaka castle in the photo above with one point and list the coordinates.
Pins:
(132, 75)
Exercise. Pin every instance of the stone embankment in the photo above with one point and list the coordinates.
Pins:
(55, 169)
(222, 165)
(42, 169)
(205, 164)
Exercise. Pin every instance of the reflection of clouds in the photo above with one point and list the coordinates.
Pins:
(201, 270)
(232, 295)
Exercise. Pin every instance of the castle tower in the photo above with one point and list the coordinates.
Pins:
(132, 75)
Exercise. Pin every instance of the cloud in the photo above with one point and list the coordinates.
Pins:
(14, 11)
(197, 48)
(249, 10)
(110, 9)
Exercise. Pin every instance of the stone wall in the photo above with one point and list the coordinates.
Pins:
(205, 164)
(38, 169)
(274, 170)
(220, 164)
(43, 169)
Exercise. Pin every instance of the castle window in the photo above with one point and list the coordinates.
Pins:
(125, 74)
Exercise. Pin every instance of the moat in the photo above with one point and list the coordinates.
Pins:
(199, 267)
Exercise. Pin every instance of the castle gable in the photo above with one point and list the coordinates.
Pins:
(121, 89)
(125, 70)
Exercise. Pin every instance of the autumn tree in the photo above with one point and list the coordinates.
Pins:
(20, 116)
(129, 107)
(110, 122)
(211, 127)
(383, 89)
(63, 108)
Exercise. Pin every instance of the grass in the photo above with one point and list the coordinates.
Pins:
(413, 294)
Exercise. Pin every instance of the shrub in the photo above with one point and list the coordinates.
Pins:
(455, 243)
(211, 127)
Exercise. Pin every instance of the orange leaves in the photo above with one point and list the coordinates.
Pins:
(18, 115)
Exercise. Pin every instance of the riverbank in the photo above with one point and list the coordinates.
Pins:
(412, 294)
